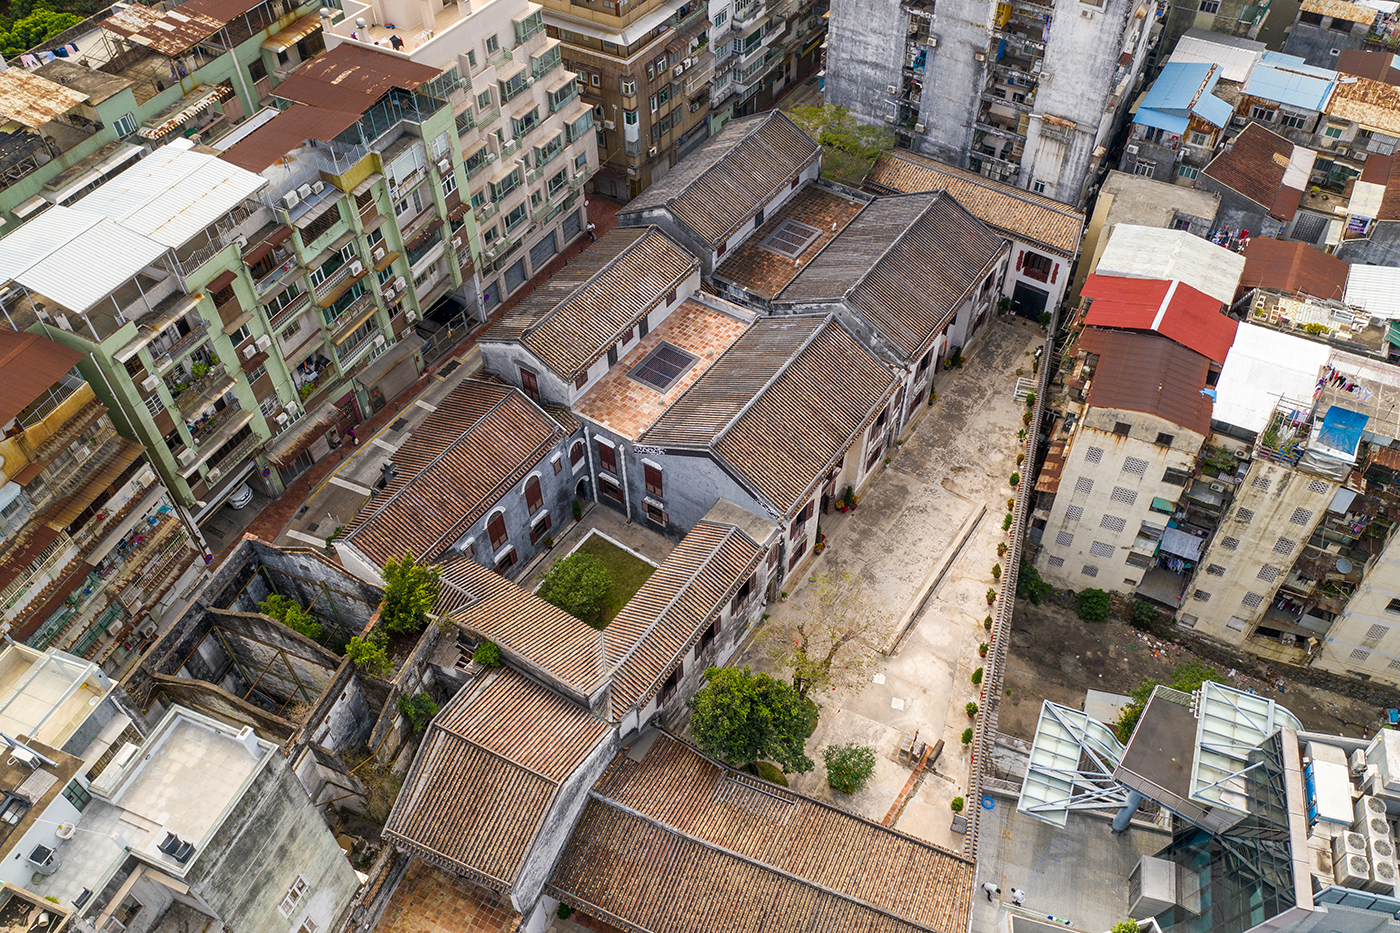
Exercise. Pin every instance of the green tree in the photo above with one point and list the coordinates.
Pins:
(1186, 677)
(833, 639)
(1029, 585)
(420, 710)
(848, 767)
(1125, 926)
(739, 717)
(368, 654)
(33, 28)
(1093, 605)
(579, 585)
(487, 654)
(849, 147)
(289, 613)
(409, 593)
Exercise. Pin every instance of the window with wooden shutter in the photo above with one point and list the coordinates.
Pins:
(609, 489)
(534, 499)
(496, 530)
(576, 453)
(530, 383)
(674, 679)
(742, 597)
(540, 528)
(653, 476)
(607, 457)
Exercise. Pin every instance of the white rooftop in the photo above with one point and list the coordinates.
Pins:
(1263, 365)
(1375, 290)
(1154, 253)
(74, 257)
(1229, 724)
(1236, 56)
(173, 194)
(47, 695)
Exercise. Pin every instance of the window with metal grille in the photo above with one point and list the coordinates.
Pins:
(1112, 523)
(662, 367)
(790, 239)
(1317, 485)
(540, 528)
(1229, 543)
(1359, 654)
(1057, 562)
(1252, 600)
(1124, 495)
(1393, 606)
(1064, 539)
(1215, 570)
(1139, 560)
(1268, 573)
(1395, 664)
(1073, 513)
(1122, 428)
(496, 530)
(1135, 466)
(1084, 485)
(1175, 477)
(1100, 549)
(1201, 596)
(1164, 439)
(1301, 516)
(1093, 455)
(654, 512)
(534, 498)
(1244, 515)
(1089, 570)
(1186, 621)
(653, 479)
(1376, 632)
(1262, 483)
(1236, 624)
(1284, 546)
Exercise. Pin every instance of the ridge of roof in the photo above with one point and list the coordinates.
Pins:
(641, 234)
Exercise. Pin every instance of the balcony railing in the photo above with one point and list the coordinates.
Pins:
(182, 346)
(202, 390)
(344, 321)
(240, 453)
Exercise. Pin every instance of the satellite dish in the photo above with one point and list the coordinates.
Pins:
(1343, 565)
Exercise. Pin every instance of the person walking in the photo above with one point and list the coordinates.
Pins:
(354, 441)
(991, 889)
(1018, 897)
(592, 232)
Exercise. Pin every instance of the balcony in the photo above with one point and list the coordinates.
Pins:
(214, 432)
(204, 390)
(1016, 39)
(499, 57)
(182, 346)
(240, 453)
(994, 129)
(275, 322)
(352, 317)
(328, 286)
(276, 276)
(1025, 106)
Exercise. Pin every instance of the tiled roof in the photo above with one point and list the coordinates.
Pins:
(1376, 104)
(781, 405)
(763, 272)
(1171, 308)
(1149, 374)
(1297, 268)
(1016, 213)
(575, 315)
(430, 900)
(675, 605)
(628, 407)
(1255, 166)
(481, 440)
(720, 185)
(486, 775)
(905, 263)
(677, 844)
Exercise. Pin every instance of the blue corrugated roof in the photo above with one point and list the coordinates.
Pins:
(1162, 121)
(1287, 79)
(1179, 84)
(1214, 110)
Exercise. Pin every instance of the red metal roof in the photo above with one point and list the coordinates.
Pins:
(351, 78)
(289, 130)
(1296, 268)
(29, 364)
(1171, 308)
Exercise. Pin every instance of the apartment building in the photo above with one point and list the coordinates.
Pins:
(141, 77)
(526, 135)
(762, 50)
(1324, 29)
(974, 85)
(93, 551)
(645, 69)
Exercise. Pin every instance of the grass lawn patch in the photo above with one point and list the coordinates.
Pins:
(772, 773)
(627, 573)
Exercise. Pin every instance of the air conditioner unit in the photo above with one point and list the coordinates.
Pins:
(1244, 455)
(444, 166)
(317, 187)
(609, 125)
(1347, 844)
(1131, 150)
(1087, 14)
(1368, 806)
(1238, 121)
(263, 342)
(920, 128)
(982, 57)
(281, 417)
(250, 351)
(290, 200)
(891, 89)
(456, 242)
(379, 340)
(1217, 487)
(678, 71)
(1352, 872)
(304, 191)
(410, 315)
(378, 254)
(933, 42)
(490, 157)
(694, 106)
(652, 152)
(688, 62)
(399, 282)
(1383, 877)
(1380, 850)
(1358, 763)
(889, 118)
(149, 384)
(186, 457)
(242, 241)
(215, 473)
(1377, 827)
(356, 267)
(292, 408)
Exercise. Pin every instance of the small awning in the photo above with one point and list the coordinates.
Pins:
(387, 362)
(1175, 541)
(238, 322)
(1162, 505)
(30, 206)
(221, 282)
(341, 287)
(278, 237)
(294, 33)
(365, 185)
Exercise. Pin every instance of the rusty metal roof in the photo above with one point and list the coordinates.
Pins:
(32, 101)
(1341, 9)
(351, 78)
(1149, 374)
(1373, 104)
(287, 131)
(752, 855)
(29, 364)
(487, 774)
(177, 31)
(1296, 268)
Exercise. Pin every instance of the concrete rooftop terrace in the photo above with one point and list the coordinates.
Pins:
(47, 695)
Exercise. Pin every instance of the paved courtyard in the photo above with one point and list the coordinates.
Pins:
(932, 520)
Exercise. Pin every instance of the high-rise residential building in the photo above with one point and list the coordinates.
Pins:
(645, 68)
(762, 50)
(527, 138)
(92, 554)
(89, 102)
(1022, 92)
